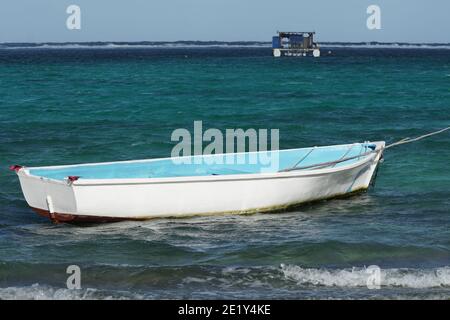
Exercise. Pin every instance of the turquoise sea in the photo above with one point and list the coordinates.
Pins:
(73, 103)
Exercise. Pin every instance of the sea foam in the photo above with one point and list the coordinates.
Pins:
(357, 277)
(44, 292)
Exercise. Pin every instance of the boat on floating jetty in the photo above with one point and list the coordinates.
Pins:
(144, 189)
(295, 44)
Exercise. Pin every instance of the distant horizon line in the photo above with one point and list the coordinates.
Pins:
(215, 41)
(189, 44)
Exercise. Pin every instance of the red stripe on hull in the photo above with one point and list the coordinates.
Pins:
(74, 218)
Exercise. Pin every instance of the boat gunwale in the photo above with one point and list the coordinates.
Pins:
(197, 156)
(213, 178)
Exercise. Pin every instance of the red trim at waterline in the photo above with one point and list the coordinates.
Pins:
(74, 218)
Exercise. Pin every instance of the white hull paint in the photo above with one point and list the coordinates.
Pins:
(200, 195)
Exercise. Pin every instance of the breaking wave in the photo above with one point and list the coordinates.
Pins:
(385, 45)
(39, 292)
(286, 281)
(358, 277)
(135, 45)
(44, 292)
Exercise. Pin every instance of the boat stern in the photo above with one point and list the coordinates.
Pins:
(47, 196)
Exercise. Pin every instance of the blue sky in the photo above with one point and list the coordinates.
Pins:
(224, 20)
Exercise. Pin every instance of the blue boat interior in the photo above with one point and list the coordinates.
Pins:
(222, 164)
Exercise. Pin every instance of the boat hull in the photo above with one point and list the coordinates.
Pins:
(139, 199)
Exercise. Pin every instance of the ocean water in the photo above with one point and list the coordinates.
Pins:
(67, 104)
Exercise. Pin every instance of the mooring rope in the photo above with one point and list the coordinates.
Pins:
(408, 140)
(346, 153)
(306, 155)
(344, 159)
(328, 163)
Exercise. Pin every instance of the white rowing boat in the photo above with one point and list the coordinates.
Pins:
(144, 189)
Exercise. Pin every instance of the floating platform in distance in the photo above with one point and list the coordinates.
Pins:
(295, 44)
